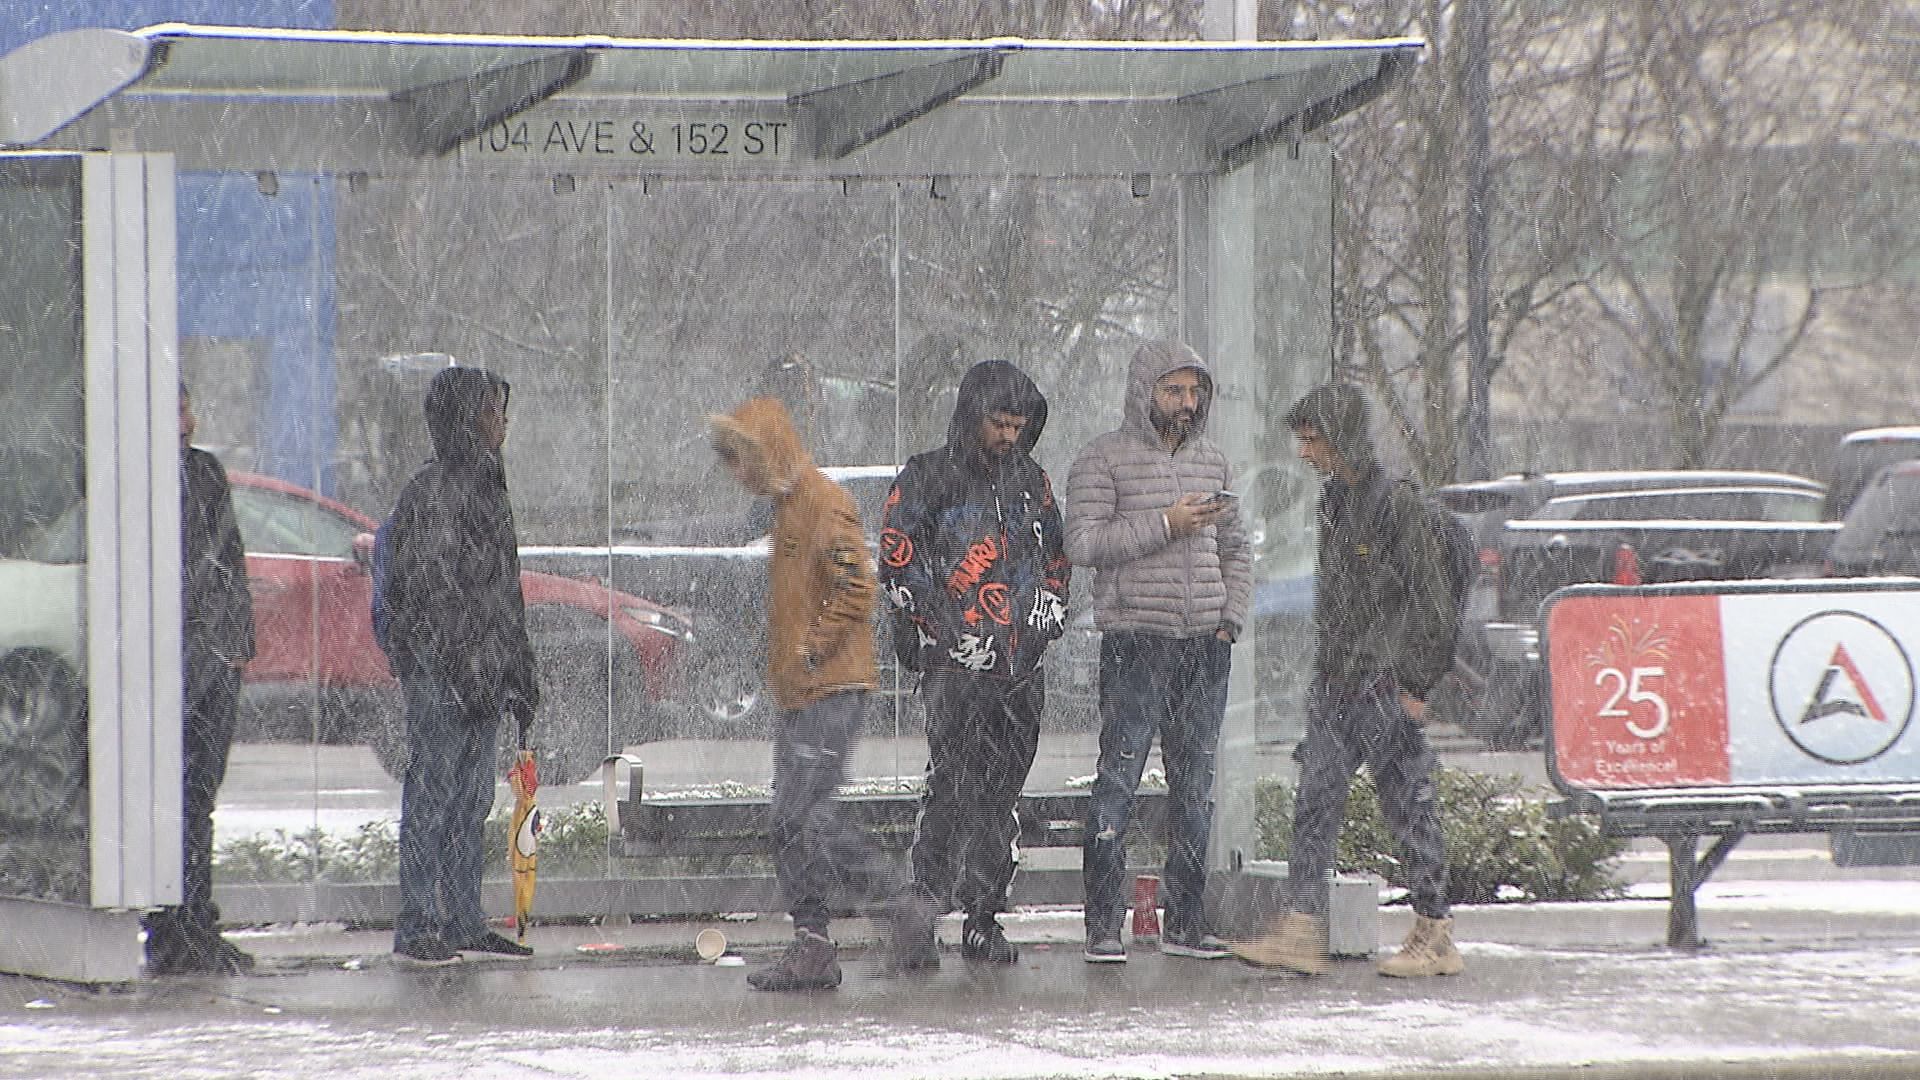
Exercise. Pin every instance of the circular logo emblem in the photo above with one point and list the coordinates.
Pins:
(996, 603)
(896, 548)
(1841, 687)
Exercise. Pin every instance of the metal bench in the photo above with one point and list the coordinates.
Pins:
(1681, 817)
(643, 827)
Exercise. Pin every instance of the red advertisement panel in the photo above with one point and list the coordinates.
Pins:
(1639, 691)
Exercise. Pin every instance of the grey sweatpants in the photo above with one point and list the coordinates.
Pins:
(1351, 723)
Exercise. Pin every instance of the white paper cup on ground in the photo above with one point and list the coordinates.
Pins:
(711, 944)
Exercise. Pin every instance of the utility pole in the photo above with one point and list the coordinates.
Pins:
(1471, 21)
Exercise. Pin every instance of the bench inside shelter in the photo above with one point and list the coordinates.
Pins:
(665, 826)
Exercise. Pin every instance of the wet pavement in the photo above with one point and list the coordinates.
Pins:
(1813, 979)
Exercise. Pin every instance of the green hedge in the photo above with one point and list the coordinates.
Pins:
(1501, 846)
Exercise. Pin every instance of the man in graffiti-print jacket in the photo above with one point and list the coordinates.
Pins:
(973, 560)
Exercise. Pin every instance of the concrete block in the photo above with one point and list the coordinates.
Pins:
(70, 943)
(1249, 900)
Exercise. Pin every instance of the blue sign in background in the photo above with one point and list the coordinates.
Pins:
(254, 267)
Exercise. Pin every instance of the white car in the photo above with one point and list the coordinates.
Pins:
(43, 715)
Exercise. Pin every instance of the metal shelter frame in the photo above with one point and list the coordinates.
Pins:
(1224, 122)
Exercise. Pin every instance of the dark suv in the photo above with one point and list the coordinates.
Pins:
(1860, 455)
(1569, 527)
(1881, 535)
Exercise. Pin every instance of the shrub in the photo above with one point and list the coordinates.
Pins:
(572, 839)
(1501, 845)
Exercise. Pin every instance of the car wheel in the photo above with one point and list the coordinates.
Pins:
(387, 736)
(729, 699)
(43, 740)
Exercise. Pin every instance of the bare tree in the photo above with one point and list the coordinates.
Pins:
(1399, 247)
(1740, 196)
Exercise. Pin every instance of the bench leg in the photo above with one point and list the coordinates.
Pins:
(1686, 872)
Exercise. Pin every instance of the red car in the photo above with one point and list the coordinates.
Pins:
(317, 673)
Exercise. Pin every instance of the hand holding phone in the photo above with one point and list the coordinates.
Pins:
(1223, 497)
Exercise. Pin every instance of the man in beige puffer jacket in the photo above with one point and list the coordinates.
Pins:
(1173, 573)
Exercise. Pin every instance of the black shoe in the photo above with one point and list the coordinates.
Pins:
(983, 939)
(425, 952)
(913, 914)
(810, 963)
(497, 945)
(1104, 943)
(1196, 944)
(226, 958)
(178, 949)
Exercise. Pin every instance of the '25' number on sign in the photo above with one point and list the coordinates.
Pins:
(1632, 689)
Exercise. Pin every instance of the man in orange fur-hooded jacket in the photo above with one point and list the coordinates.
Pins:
(820, 667)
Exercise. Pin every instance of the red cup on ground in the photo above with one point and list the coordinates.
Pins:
(1146, 908)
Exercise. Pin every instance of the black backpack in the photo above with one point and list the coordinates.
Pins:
(1458, 555)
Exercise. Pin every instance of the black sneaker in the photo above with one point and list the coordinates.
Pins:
(425, 952)
(1200, 946)
(981, 938)
(498, 946)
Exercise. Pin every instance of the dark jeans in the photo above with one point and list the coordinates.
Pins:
(1178, 687)
(981, 738)
(444, 799)
(1351, 723)
(212, 693)
(814, 849)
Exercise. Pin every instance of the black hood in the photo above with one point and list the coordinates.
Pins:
(995, 386)
(455, 399)
(1339, 412)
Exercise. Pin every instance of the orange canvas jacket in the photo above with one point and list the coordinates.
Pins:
(821, 579)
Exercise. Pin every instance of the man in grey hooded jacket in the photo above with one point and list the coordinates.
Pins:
(1173, 574)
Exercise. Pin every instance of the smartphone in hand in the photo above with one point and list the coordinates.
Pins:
(1223, 497)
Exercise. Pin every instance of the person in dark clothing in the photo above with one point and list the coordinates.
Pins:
(457, 641)
(216, 644)
(974, 562)
(1385, 627)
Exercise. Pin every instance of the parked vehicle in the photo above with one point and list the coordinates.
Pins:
(318, 674)
(1539, 533)
(1860, 455)
(1881, 534)
(43, 690)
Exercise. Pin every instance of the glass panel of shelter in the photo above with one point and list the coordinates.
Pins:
(623, 313)
(43, 569)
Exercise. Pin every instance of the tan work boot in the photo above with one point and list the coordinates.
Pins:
(1296, 942)
(1428, 950)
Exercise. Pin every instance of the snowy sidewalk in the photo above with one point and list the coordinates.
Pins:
(1802, 979)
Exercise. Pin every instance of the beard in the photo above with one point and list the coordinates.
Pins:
(1178, 425)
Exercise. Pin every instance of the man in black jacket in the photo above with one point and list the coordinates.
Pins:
(972, 558)
(216, 644)
(1385, 626)
(457, 640)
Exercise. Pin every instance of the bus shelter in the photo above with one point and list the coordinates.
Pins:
(635, 234)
